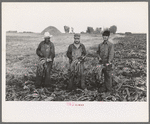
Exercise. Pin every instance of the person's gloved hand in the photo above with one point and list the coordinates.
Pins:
(109, 63)
(81, 58)
(41, 54)
(49, 59)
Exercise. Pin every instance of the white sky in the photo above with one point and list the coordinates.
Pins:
(127, 16)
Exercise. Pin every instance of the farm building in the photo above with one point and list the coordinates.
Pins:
(11, 32)
(128, 33)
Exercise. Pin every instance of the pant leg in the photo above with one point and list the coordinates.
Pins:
(71, 78)
(108, 79)
(82, 76)
(39, 80)
(47, 81)
(104, 78)
(78, 81)
(71, 81)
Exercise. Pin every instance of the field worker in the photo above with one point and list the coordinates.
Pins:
(46, 53)
(75, 51)
(106, 56)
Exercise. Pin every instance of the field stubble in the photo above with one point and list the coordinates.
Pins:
(129, 74)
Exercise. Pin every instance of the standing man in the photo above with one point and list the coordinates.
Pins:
(106, 56)
(46, 53)
(76, 51)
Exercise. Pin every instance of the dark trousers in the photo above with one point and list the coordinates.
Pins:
(107, 79)
(46, 81)
(77, 79)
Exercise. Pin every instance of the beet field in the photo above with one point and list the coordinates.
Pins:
(129, 76)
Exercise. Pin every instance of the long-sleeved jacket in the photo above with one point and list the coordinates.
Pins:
(46, 50)
(73, 52)
(106, 51)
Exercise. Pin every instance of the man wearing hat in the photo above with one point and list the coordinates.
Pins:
(46, 53)
(106, 55)
(75, 51)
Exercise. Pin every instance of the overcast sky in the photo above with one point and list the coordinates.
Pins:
(127, 16)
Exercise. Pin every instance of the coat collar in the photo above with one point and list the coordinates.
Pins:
(105, 42)
(48, 42)
(77, 46)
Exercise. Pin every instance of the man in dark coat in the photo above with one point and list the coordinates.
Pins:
(46, 53)
(106, 56)
(75, 51)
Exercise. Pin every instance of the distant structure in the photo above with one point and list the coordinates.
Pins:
(66, 29)
(128, 33)
(90, 30)
(52, 30)
(83, 32)
(11, 31)
(27, 32)
(113, 29)
(72, 30)
(97, 30)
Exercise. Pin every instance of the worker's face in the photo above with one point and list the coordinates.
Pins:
(47, 40)
(76, 40)
(105, 38)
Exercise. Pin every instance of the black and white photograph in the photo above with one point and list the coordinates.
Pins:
(74, 55)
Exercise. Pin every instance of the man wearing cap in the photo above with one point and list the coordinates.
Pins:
(75, 51)
(106, 55)
(46, 53)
